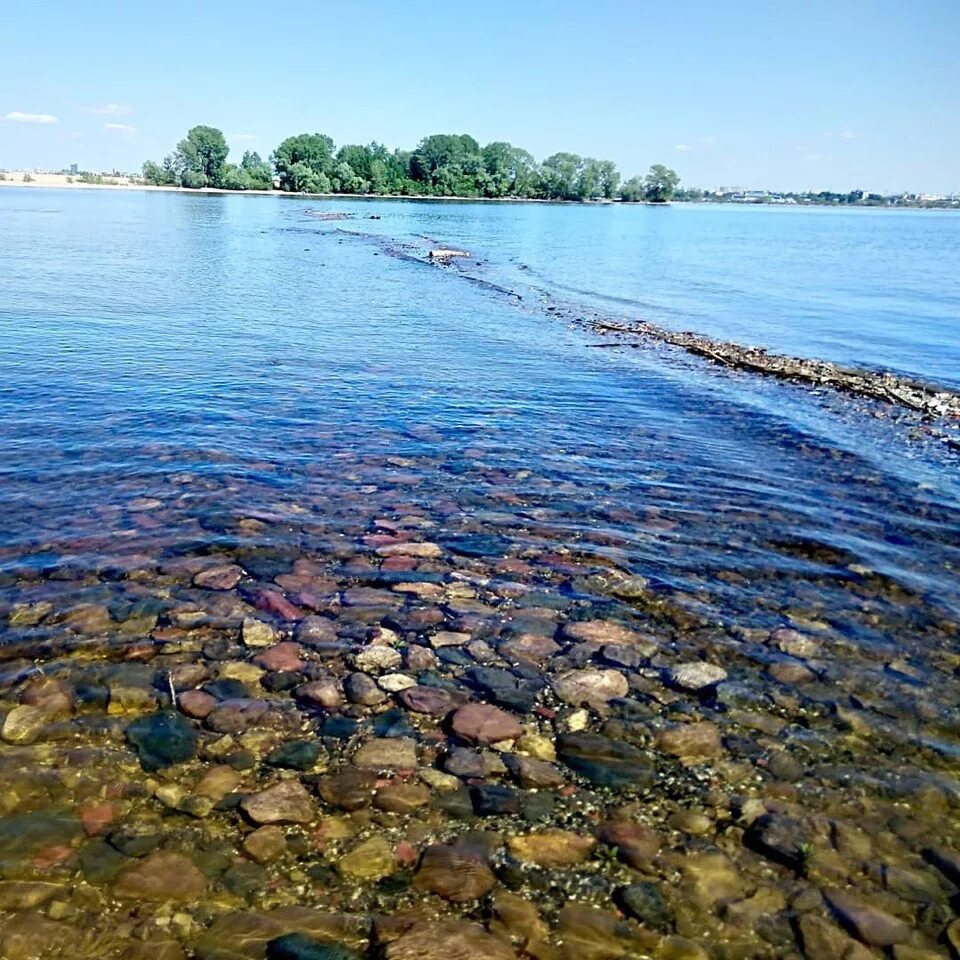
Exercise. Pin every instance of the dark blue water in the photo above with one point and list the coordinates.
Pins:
(229, 355)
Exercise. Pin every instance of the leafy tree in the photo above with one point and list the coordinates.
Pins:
(202, 153)
(345, 180)
(633, 190)
(660, 183)
(194, 179)
(160, 176)
(510, 171)
(559, 175)
(258, 172)
(608, 178)
(301, 161)
(234, 178)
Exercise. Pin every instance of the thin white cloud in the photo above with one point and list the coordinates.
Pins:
(121, 127)
(847, 135)
(814, 156)
(110, 110)
(18, 117)
(682, 147)
(242, 136)
(708, 140)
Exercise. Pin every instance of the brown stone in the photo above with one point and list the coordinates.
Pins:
(402, 798)
(867, 923)
(161, 876)
(387, 753)
(196, 703)
(319, 694)
(608, 632)
(483, 723)
(51, 695)
(691, 740)
(592, 687)
(219, 578)
(265, 844)
(529, 648)
(448, 940)
(235, 716)
(281, 657)
(455, 873)
(349, 790)
(636, 844)
(552, 848)
(429, 700)
(287, 802)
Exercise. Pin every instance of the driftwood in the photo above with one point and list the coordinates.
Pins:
(325, 215)
(443, 254)
(887, 387)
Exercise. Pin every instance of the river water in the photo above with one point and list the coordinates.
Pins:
(218, 409)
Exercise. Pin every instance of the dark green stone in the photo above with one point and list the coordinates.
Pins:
(295, 755)
(163, 739)
(643, 901)
(298, 946)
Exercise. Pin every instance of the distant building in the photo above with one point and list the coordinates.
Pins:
(73, 168)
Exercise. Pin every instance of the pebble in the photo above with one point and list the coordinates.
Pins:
(454, 873)
(448, 940)
(482, 723)
(287, 802)
(696, 676)
(160, 877)
(552, 848)
(591, 687)
(691, 741)
(162, 739)
(24, 725)
(371, 860)
(869, 924)
(258, 633)
(265, 844)
(395, 682)
(396, 753)
(377, 659)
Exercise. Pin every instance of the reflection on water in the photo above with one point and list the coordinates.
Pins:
(329, 495)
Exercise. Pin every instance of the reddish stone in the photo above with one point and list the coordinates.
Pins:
(219, 578)
(405, 853)
(95, 819)
(276, 603)
(426, 700)
(402, 564)
(484, 723)
(281, 656)
(54, 697)
(234, 716)
(196, 703)
(636, 844)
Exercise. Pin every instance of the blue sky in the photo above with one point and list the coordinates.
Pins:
(792, 93)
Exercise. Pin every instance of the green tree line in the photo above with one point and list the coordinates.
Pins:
(441, 165)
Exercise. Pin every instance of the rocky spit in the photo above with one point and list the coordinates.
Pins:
(411, 738)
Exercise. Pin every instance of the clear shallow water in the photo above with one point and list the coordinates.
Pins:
(188, 382)
(237, 333)
(874, 288)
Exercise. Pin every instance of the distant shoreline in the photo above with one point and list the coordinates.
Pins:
(59, 181)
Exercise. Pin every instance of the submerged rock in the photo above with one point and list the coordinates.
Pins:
(696, 676)
(448, 940)
(162, 739)
(867, 923)
(287, 802)
(456, 873)
(605, 762)
(482, 723)
(591, 687)
(161, 876)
